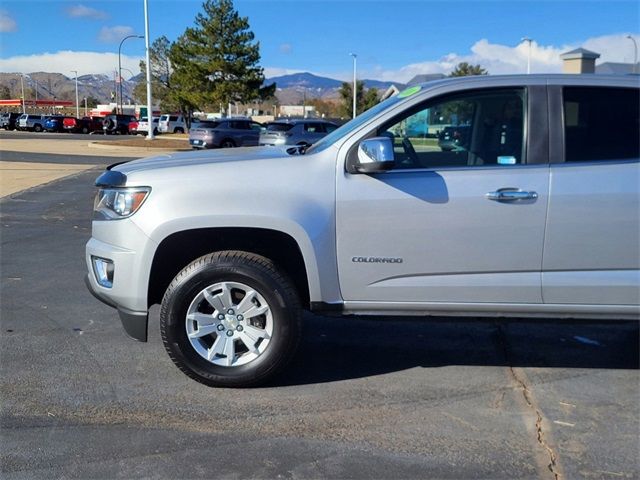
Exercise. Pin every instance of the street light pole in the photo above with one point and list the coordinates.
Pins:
(528, 40)
(22, 87)
(120, 63)
(635, 54)
(77, 106)
(354, 83)
(150, 135)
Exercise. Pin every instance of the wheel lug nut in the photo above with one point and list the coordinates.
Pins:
(229, 333)
(220, 327)
(221, 317)
(239, 328)
(240, 318)
(230, 312)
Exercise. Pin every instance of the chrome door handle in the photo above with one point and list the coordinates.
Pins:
(510, 195)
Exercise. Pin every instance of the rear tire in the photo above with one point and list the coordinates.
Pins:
(37, 128)
(178, 130)
(230, 319)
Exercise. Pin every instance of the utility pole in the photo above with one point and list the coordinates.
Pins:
(77, 106)
(354, 83)
(150, 135)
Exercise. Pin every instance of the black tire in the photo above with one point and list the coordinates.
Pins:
(85, 130)
(227, 143)
(260, 275)
(37, 127)
(178, 130)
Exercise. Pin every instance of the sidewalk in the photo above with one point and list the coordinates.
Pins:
(18, 176)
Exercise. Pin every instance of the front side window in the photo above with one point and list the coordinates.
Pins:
(601, 123)
(471, 129)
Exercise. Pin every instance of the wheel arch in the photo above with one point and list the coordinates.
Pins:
(180, 248)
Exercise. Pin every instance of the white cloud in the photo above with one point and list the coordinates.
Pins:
(7, 23)
(81, 11)
(507, 59)
(114, 34)
(65, 61)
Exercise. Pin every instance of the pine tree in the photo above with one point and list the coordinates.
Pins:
(464, 69)
(364, 101)
(217, 61)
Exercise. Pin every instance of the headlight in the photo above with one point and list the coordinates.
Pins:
(116, 203)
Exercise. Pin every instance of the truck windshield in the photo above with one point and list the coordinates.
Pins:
(352, 125)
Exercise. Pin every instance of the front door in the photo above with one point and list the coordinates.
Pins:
(461, 217)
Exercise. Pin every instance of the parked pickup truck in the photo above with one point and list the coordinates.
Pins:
(28, 121)
(535, 214)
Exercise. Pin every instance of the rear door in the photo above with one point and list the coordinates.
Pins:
(461, 226)
(592, 244)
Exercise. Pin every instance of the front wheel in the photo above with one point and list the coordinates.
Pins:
(227, 143)
(230, 319)
(37, 127)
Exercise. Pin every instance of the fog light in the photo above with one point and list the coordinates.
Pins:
(103, 270)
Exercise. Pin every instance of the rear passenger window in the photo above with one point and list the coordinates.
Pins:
(601, 123)
(314, 128)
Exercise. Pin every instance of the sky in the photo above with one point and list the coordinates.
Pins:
(393, 40)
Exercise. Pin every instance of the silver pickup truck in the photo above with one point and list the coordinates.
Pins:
(534, 213)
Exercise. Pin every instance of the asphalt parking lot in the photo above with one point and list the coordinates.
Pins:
(365, 398)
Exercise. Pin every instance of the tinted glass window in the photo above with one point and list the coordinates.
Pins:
(173, 118)
(279, 127)
(601, 123)
(474, 129)
(314, 128)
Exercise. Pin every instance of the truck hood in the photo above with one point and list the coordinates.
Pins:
(203, 157)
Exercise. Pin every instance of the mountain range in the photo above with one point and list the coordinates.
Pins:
(290, 89)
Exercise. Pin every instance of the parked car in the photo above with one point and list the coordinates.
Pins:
(55, 123)
(225, 133)
(172, 124)
(142, 126)
(8, 120)
(539, 218)
(117, 123)
(453, 137)
(28, 121)
(295, 132)
(82, 125)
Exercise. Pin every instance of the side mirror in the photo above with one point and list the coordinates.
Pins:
(374, 155)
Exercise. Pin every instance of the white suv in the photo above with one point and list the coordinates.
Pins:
(172, 124)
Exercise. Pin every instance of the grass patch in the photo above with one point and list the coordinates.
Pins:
(141, 142)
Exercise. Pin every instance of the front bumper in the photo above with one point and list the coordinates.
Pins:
(134, 323)
(131, 252)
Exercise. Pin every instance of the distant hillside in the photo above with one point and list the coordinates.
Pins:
(291, 89)
(50, 85)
